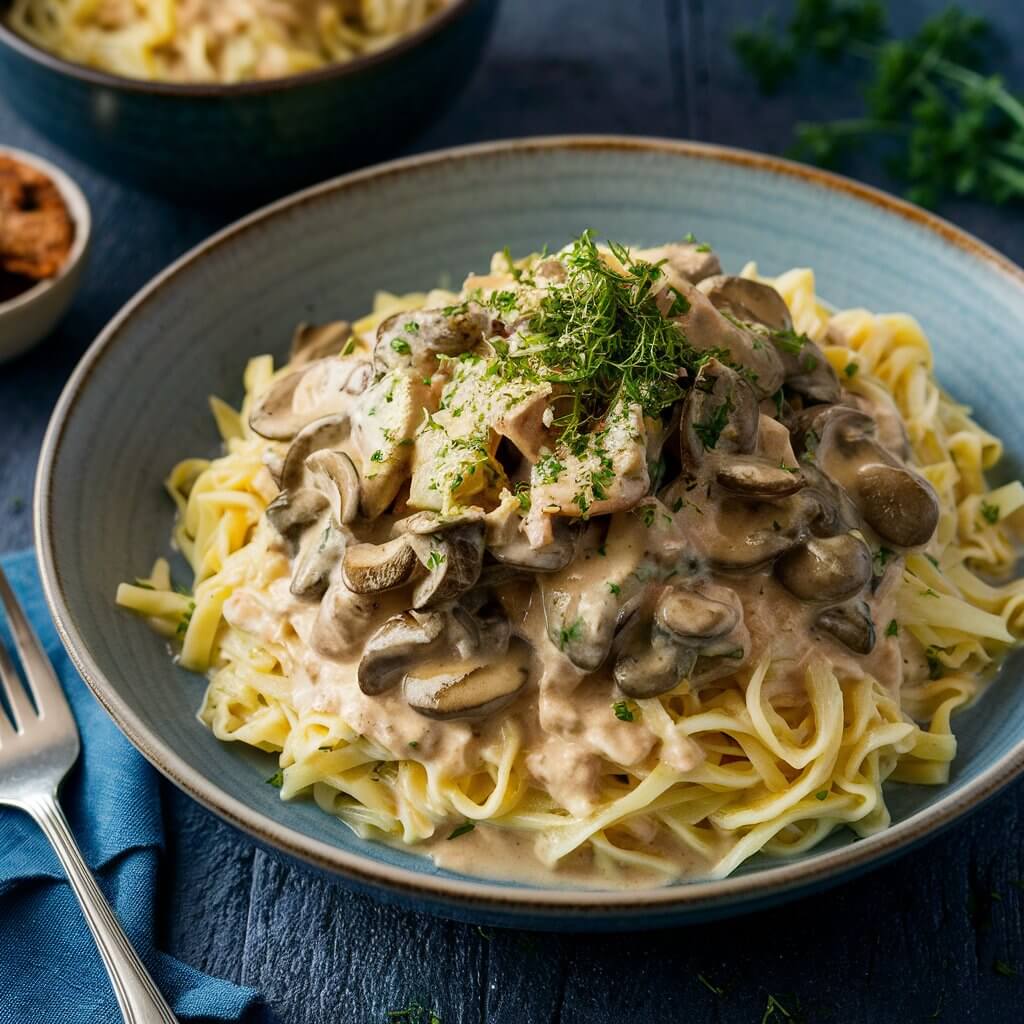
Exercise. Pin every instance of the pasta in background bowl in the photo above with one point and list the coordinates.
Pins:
(879, 252)
(241, 98)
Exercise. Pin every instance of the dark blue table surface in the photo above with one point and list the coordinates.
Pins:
(916, 940)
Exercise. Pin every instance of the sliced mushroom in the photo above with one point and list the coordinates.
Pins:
(826, 568)
(322, 551)
(453, 560)
(291, 512)
(424, 523)
(748, 300)
(508, 544)
(335, 476)
(311, 341)
(417, 338)
(375, 568)
(850, 624)
(341, 623)
(323, 388)
(708, 330)
(692, 616)
(660, 643)
(402, 642)
(682, 261)
(453, 692)
(720, 414)
(900, 506)
(327, 432)
(754, 477)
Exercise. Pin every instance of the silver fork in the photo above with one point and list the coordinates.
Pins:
(36, 752)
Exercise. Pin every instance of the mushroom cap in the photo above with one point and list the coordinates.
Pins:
(292, 511)
(694, 617)
(321, 388)
(720, 413)
(453, 559)
(375, 568)
(396, 646)
(850, 624)
(415, 339)
(326, 432)
(337, 479)
(453, 691)
(322, 549)
(312, 341)
(753, 477)
(826, 568)
(900, 506)
(748, 300)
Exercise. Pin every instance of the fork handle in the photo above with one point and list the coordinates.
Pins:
(137, 995)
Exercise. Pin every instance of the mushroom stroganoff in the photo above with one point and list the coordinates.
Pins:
(611, 568)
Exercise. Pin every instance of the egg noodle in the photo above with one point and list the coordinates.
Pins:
(772, 775)
(215, 40)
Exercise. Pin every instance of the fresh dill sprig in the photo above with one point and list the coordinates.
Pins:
(602, 335)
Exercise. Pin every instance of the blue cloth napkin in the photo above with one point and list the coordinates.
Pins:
(49, 967)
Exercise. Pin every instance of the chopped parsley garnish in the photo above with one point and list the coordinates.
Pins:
(623, 712)
(566, 636)
(711, 429)
(414, 1013)
(787, 469)
(414, 744)
(850, 369)
(822, 794)
(276, 780)
(435, 558)
(989, 512)
(936, 670)
(411, 328)
(1003, 968)
(466, 826)
(615, 589)
(647, 515)
(186, 618)
(789, 341)
(523, 497)
(377, 456)
(893, 629)
(400, 345)
(881, 559)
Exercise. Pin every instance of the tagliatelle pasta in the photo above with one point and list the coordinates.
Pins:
(223, 41)
(695, 625)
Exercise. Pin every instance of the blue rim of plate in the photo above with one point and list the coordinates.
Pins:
(466, 896)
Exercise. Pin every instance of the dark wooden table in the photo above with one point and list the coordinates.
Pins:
(917, 940)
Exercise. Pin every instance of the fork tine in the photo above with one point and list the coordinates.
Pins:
(42, 680)
(17, 699)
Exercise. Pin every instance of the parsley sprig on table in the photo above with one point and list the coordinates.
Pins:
(951, 127)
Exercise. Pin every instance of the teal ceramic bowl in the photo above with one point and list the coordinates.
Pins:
(215, 142)
(137, 404)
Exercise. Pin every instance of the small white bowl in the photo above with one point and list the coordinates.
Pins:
(29, 317)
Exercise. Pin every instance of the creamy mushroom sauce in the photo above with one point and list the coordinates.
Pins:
(760, 509)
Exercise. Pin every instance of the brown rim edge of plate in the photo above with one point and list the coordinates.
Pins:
(195, 90)
(467, 893)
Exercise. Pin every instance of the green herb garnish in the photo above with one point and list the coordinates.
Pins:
(893, 628)
(952, 128)
(850, 369)
(615, 589)
(276, 780)
(989, 512)
(466, 826)
(377, 456)
(623, 712)
(400, 345)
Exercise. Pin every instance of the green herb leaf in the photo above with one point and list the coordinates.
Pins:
(465, 827)
(893, 628)
(400, 345)
(615, 589)
(623, 712)
(276, 780)
(989, 512)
